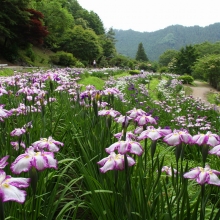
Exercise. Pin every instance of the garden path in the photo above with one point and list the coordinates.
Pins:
(200, 90)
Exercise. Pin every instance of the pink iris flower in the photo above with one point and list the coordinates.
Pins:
(144, 119)
(168, 170)
(9, 188)
(138, 130)
(3, 91)
(204, 175)
(154, 133)
(114, 162)
(18, 132)
(4, 113)
(15, 145)
(39, 160)
(123, 119)
(124, 147)
(215, 150)
(109, 91)
(129, 136)
(110, 112)
(136, 112)
(177, 137)
(208, 138)
(49, 143)
(3, 162)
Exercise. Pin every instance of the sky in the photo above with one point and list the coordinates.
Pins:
(149, 16)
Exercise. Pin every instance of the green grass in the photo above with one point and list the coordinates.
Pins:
(153, 88)
(188, 90)
(41, 57)
(6, 72)
(121, 75)
(92, 80)
(211, 97)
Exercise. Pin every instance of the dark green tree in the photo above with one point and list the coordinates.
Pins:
(141, 55)
(108, 44)
(166, 57)
(58, 20)
(207, 48)
(185, 60)
(83, 44)
(94, 22)
(208, 68)
(12, 14)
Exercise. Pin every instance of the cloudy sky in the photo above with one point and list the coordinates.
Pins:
(148, 16)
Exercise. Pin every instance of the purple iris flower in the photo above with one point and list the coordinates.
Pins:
(208, 138)
(39, 160)
(168, 170)
(3, 162)
(204, 175)
(114, 162)
(124, 147)
(144, 119)
(136, 112)
(177, 137)
(110, 112)
(18, 132)
(215, 150)
(154, 133)
(9, 188)
(49, 143)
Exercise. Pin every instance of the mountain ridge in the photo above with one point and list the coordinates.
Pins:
(157, 42)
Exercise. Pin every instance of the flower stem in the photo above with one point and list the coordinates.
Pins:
(127, 188)
(202, 210)
(2, 215)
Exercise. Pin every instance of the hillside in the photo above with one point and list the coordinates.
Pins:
(172, 37)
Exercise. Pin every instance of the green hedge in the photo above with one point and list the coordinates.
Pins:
(62, 58)
(186, 79)
(134, 72)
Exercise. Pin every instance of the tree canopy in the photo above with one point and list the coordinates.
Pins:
(184, 60)
(166, 57)
(82, 43)
(141, 55)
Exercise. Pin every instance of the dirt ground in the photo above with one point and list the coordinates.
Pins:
(200, 90)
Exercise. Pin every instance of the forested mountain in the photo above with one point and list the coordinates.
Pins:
(173, 37)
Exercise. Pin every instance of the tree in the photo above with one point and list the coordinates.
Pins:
(34, 32)
(12, 14)
(108, 44)
(207, 48)
(19, 26)
(94, 22)
(166, 57)
(208, 68)
(141, 55)
(83, 44)
(184, 60)
(58, 20)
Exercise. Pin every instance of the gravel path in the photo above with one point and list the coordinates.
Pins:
(200, 90)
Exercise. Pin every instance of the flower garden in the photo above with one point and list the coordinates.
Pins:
(126, 152)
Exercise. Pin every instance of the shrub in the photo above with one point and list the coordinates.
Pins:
(63, 59)
(134, 72)
(10, 52)
(29, 53)
(143, 66)
(186, 79)
(163, 69)
(103, 62)
(98, 74)
(79, 64)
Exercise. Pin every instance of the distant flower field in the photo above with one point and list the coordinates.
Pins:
(136, 148)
